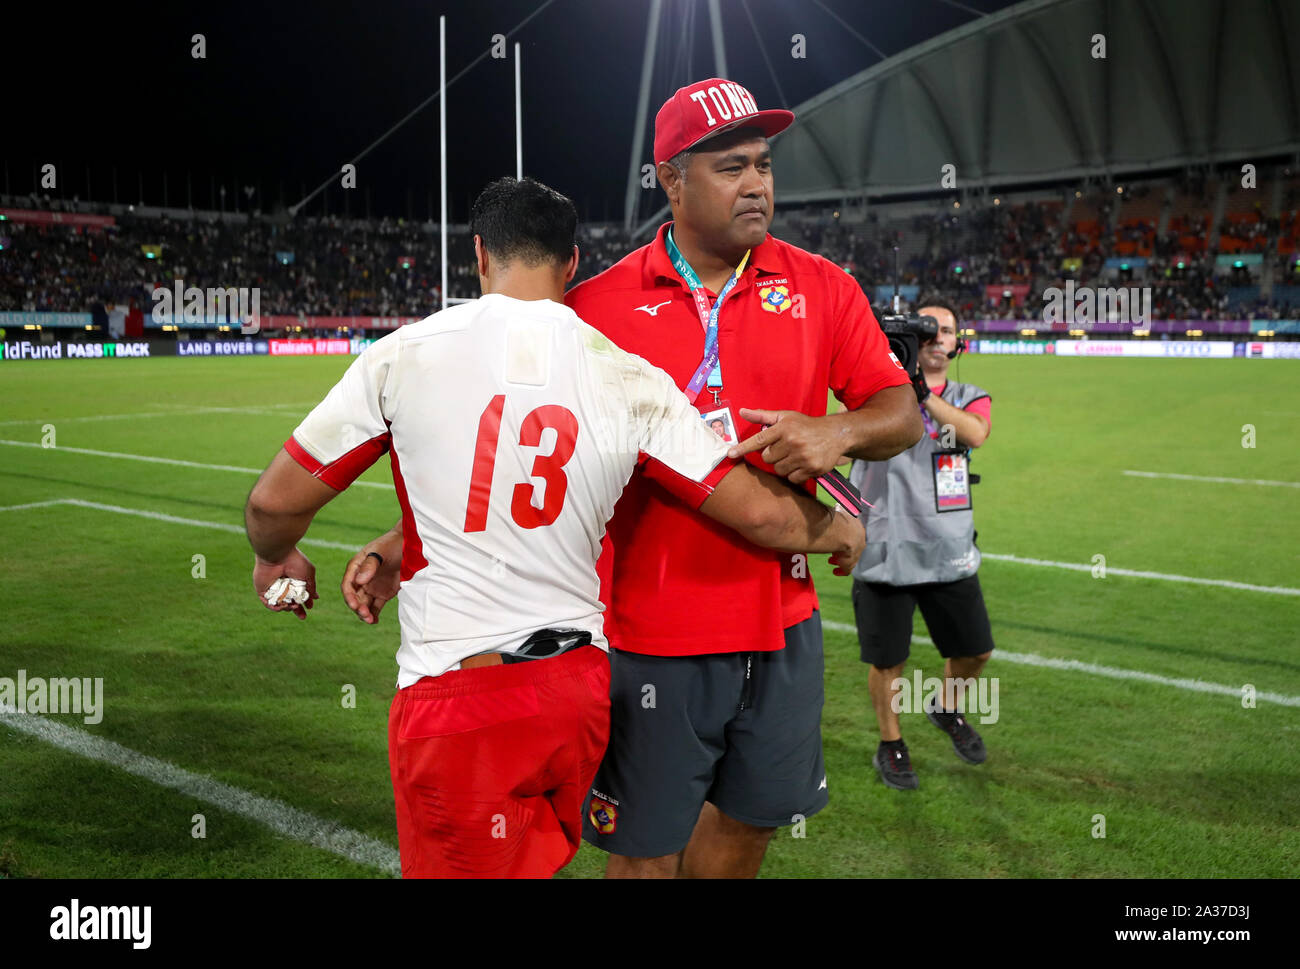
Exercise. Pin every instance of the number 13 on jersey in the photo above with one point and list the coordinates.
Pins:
(548, 467)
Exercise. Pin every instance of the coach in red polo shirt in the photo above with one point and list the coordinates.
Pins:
(717, 663)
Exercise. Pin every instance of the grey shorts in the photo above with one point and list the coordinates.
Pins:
(741, 730)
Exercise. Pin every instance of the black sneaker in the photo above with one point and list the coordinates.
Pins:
(895, 767)
(965, 741)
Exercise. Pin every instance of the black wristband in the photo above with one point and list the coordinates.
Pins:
(921, 387)
(376, 555)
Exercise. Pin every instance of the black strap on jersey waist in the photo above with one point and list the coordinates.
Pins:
(546, 643)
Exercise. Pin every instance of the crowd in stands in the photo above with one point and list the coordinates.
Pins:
(311, 266)
(390, 267)
(963, 252)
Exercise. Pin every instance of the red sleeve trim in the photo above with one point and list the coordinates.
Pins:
(724, 468)
(302, 457)
(342, 472)
(691, 493)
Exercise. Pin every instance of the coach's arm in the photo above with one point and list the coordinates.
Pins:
(755, 504)
(771, 514)
(800, 447)
(279, 510)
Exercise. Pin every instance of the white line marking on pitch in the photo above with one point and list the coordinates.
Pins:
(1198, 477)
(173, 519)
(1277, 590)
(35, 504)
(1114, 672)
(1071, 566)
(276, 815)
(307, 828)
(172, 461)
(1029, 659)
(271, 410)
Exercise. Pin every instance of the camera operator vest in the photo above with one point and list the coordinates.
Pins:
(908, 540)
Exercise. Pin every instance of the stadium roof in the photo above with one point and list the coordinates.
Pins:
(1017, 97)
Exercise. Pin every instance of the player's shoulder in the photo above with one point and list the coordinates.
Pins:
(384, 349)
(612, 367)
(596, 345)
(452, 319)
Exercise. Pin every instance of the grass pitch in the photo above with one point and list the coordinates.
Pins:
(198, 676)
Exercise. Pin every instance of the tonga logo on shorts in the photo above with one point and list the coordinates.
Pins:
(603, 815)
(774, 299)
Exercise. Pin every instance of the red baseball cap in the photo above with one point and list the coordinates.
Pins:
(707, 108)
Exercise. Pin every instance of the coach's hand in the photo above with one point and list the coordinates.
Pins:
(295, 566)
(798, 447)
(368, 583)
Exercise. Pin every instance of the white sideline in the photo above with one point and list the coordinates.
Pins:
(1071, 566)
(359, 848)
(276, 815)
(1029, 659)
(1197, 477)
(272, 410)
(1074, 566)
(35, 504)
(1277, 590)
(1114, 672)
(172, 461)
(173, 519)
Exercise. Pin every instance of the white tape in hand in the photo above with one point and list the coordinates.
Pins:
(287, 592)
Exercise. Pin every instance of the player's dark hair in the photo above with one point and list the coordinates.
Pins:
(943, 303)
(525, 220)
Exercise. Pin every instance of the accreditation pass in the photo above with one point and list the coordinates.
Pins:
(951, 481)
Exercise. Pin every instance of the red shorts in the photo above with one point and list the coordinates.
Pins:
(491, 765)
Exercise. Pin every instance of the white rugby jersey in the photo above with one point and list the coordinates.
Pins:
(513, 427)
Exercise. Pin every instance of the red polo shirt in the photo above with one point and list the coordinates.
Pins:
(675, 582)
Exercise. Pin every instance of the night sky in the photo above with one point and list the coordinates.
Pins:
(291, 90)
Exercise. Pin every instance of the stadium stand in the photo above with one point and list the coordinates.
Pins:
(992, 255)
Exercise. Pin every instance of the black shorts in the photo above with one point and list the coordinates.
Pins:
(686, 729)
(954, 613)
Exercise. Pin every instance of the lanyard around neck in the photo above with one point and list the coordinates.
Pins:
(708, 368)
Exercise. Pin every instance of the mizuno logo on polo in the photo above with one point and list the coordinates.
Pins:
(653, 310)
(732, 101)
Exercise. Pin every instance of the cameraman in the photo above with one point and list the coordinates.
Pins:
(921, 551)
